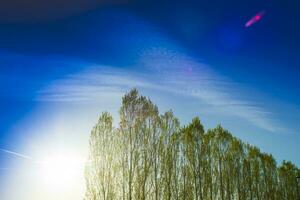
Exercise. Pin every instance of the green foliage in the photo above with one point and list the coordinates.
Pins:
(149, 156)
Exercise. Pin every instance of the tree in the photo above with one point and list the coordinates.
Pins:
(100, 174)
(170, 156)
(287, 183)
(151, 157)
(192, 139)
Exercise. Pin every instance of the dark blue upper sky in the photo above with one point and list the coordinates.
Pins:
(264, 54)
(44, 42)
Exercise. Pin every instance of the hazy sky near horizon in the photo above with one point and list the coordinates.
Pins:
(63, 63)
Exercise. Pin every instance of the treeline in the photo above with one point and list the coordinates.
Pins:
(150, 156)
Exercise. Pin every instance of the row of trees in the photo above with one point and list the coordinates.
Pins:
(149, 156)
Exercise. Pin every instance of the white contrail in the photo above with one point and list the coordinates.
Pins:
(17, 154)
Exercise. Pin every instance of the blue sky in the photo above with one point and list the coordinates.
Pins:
(61, 68)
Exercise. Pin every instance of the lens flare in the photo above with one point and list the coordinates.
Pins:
(256, 18)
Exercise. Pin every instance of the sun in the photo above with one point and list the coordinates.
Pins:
(60, 171)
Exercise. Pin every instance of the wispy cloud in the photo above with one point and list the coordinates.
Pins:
(168, 72)
(19, 155)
